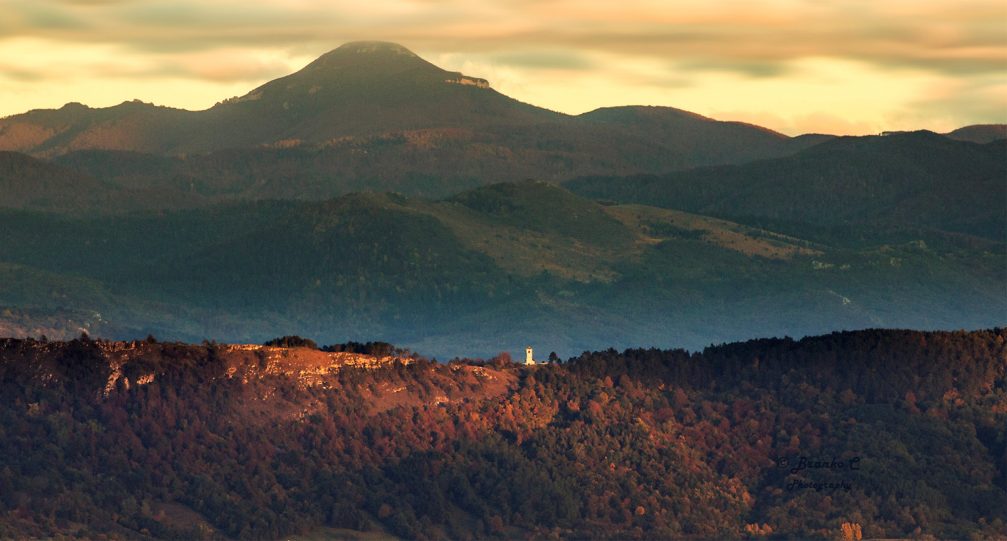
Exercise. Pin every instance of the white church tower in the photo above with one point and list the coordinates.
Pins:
(528, 357)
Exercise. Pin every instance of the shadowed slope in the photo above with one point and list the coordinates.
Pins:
(905, 180)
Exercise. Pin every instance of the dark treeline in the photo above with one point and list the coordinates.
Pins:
(872, 434)
(377, 349)
(374, 348)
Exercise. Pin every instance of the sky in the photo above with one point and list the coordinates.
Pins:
(796, 66)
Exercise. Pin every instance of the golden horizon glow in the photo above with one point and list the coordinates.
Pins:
(795, 66)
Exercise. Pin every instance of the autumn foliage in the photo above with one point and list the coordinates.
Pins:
(740, 441)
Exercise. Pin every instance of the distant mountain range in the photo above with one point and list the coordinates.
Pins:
(980, 133)
(375, 116)
(373, 195)
(368, 116)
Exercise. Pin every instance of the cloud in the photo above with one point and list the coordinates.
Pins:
(18, 73)
(43, 17)
(750, 68)
(961, 36)
(671, 52)
(544, 59)
(91, 2)
(956, 103)
(234, 65)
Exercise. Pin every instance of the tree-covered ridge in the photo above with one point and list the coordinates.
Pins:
(738, 441)
(511, 263)
(913, 180)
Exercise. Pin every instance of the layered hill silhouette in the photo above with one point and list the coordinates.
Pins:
(483, 270)
(916, 180)
(27, 182)
(373, 195)
(367, 116)
(980, 133)
(31, 183)
(375, 115)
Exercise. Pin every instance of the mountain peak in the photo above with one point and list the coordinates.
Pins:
(376, 62)
(372, 47)
(371, 56)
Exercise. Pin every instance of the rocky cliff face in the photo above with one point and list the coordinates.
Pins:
(233, 360)
(468, 81)
(144, 440)
(106, 368)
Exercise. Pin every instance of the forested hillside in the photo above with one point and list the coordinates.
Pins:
(891, 434)
(490, 268)
(373, 195)
(912, 180)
